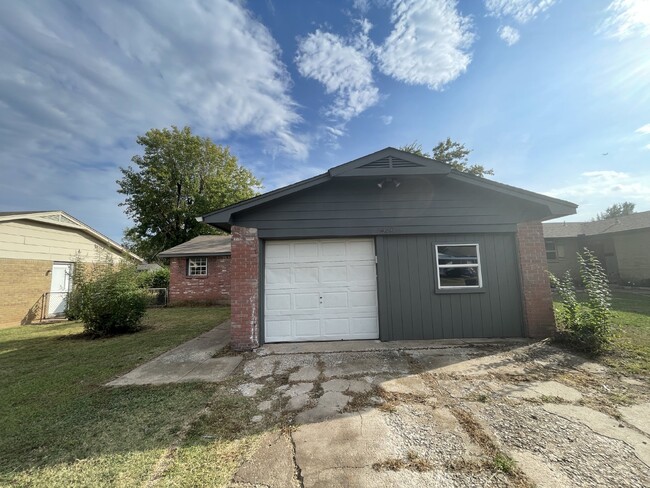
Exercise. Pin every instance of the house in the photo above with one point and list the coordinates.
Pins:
(390, 246)
(37, 255)
(199, 270)
(622, 244)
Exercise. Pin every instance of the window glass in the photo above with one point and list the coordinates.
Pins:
(197, 266)
(551, 251)
(458, 266)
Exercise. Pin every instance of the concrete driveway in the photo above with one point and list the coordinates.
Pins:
(488, 413)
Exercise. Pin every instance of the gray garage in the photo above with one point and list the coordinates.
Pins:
(390, 246)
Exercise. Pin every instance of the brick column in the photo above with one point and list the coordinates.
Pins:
(244, 289)
(535, 286)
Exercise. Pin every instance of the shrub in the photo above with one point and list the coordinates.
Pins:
(154, 279)
(587, 324)
(111, 302)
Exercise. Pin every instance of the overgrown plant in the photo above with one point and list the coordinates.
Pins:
(585, 324)
(110, 301)
(154, 279)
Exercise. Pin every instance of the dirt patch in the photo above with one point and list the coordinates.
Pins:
(413, 461)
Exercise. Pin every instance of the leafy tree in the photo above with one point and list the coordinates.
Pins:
(617, 210)
(452, 153)
(179, 177)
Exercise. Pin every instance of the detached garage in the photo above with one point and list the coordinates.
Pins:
(391, 246)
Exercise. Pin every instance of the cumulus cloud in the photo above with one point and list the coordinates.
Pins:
(626, 18)
(522, 11)
(428, 45)
(644, 129)
(598, 189)
(343, 69)
(509, 34)
(79, 80)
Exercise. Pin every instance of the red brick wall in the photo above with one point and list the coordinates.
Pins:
(536, 291)
(244, 289)
(213, 288)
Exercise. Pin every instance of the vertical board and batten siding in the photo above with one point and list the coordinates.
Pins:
(357, 207)
(410, 308)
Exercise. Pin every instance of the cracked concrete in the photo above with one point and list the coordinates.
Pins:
(454, 407)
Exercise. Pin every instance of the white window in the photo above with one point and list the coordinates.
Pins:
(197, 266)
(551, 250)
(459, 266)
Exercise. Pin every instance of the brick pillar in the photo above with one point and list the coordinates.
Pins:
(535, 286)
(244, 289)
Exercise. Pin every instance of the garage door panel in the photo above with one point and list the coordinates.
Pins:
(279, 302)
(332, 286)
(306, 275)
(275, 276)
(306, 301)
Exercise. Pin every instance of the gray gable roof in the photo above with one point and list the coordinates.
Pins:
(200, 246)
(635, 221)
(390, 162)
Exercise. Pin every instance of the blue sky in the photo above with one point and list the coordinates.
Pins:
(552, 94)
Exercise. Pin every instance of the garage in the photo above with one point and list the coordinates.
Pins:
(390, 246)
(320, 290)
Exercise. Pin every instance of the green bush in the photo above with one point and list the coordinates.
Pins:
(585, 324)
(110, 302)
(154, 279)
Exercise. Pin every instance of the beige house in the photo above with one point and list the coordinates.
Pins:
(622, 245)
(37, 255)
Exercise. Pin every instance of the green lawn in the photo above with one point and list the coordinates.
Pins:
(61, 427)
(631, 349)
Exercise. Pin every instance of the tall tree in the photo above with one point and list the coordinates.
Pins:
(450, 152)
(179, 177)
(617, 210)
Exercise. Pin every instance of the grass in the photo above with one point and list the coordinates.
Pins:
(629, 352)
(60, 425)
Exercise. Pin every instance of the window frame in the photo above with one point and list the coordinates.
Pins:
(554, 250)
(192, 268)
(447, 288)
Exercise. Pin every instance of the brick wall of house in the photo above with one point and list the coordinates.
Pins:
(213, 288)
(22, 284)
(244, 289)
(536, 291)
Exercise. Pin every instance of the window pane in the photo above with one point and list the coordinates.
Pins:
(457, 255)
(459, 276)
(550, 245)
(197, 266)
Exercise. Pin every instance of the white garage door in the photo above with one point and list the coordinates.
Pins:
(320, 290)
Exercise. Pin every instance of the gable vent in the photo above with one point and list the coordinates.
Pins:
(391, 162)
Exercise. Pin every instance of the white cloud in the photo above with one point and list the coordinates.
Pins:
(509, 34)
(522, 11)
(386, 119)
(627, 18)
(645, 129)
(80, 80)
(428, 45)
(596, 190)
(342, 69)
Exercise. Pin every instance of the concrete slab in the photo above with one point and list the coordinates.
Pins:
(271, 465)
(364, 363)
(191, 361)
(249, 389)
(539, 471)
(466, 363)
(409, 385)
(542, 388)
(348, 441)
(305, 373)
(606, 426)
(329, 405)
(638, 416)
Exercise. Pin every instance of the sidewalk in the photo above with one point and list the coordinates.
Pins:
(191, 361)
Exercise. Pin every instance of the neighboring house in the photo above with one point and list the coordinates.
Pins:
(199, 270)
(391, 246)
(37, 255)
(622, 245)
